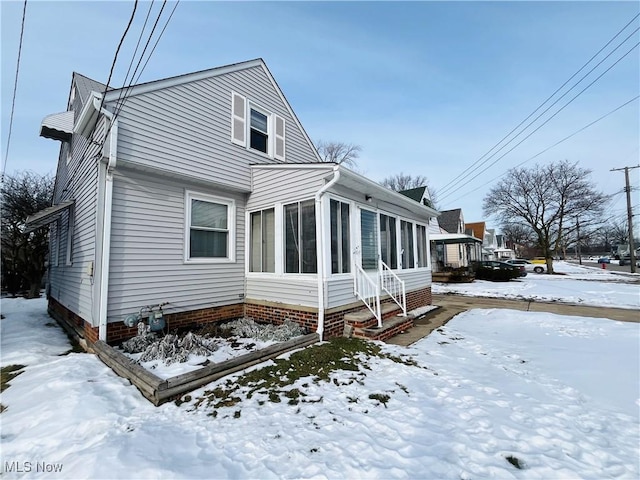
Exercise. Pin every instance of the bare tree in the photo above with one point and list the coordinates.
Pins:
(548, 199)
(400, 182)
(519, 236)
(24, 254)
(341, 153)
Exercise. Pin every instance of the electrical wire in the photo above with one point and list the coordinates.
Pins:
(470, 169)
(547, 120)
(15, 89)
(126, 90)
(133, 57)
(106, 88)
(550, 147)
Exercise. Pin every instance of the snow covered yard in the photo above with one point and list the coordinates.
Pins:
(576, 284)
(495, 393)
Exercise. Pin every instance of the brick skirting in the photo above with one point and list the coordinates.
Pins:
(259, 311)
(118, 331)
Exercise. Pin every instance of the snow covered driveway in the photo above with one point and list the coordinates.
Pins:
(556, 395)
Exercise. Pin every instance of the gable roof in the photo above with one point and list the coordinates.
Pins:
(450, 220)
(477, 229)
(85, 85)
(419, 194)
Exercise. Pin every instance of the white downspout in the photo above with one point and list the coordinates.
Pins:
(320, 236)
(106, 227)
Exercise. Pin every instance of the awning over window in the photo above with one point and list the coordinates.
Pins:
(58, 126)
(46, 216)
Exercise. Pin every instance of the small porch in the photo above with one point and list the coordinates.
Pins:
(452, 255)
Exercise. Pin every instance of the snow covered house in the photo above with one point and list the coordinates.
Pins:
(204, 193)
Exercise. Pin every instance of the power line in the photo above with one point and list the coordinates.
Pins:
(15, 89)
(470, 169)
(106, 88)
(133, 57)
(126, 90)
(545, 111)
(548, 119)
(550, 147)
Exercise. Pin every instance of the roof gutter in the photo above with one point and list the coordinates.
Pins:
(106, 227)
(320, 236)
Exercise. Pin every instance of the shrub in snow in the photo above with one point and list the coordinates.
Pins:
(141, 341)
(247, 328)
(174, 349)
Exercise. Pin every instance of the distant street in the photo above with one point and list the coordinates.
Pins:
(614, 267)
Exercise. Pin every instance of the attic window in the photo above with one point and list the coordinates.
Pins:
(257, 129)
(259, 137)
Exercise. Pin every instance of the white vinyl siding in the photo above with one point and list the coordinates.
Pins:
(147, 245)
(209, 235)
(189, 129)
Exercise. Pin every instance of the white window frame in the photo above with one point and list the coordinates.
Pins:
(231, 227)
(270, 129)
(276, 140)
(250, 241)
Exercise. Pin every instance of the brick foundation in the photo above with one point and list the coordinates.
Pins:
(259, 311)
(118, 331)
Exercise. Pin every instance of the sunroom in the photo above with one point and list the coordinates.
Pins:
(323, 240)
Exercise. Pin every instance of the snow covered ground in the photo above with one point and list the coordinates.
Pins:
(557, 395)
(583, 285)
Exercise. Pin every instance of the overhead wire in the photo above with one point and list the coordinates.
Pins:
(126, 88)
(133, 57)
(552, 146)
(90, 140)
(472, 168)
(548, 119)
(15, 89)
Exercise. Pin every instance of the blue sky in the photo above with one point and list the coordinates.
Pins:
(426, 88)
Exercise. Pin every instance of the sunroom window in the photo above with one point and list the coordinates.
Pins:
(340, 238)
(262, 256)
(406, 243)
(300, 237)
(388, 241)
(421, 238)
(369, 239)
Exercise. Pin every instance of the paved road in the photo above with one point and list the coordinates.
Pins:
(451, 305)
(614, 267)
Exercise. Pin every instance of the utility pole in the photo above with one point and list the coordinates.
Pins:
(627, 188)
(578, 241)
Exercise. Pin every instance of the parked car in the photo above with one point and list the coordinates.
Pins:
(497, 265)
(528, 266)
(604, 260)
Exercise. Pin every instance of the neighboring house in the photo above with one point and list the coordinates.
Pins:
(452, 247)
(488, 236)
(204, 193)
(502, 251)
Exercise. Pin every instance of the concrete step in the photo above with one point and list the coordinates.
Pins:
(391, 327)
(363, 318)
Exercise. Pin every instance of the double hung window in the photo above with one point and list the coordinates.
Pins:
(209, 227)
